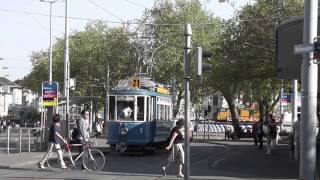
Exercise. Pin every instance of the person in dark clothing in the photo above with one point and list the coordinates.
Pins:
(260, 133)
(54, 141)
(177, 152)
(254, 133)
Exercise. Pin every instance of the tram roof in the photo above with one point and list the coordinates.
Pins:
(147, 87)
(133, 92)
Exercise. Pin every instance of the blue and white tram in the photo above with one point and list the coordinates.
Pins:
(139, 116)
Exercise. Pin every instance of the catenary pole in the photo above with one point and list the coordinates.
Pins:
(309, 82)
(66, 67)
(106, 119)
(187, 50)
(281, 106)
(294, 101)
(49, 108)
(294, 111)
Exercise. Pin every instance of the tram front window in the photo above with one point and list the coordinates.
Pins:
(125, 110)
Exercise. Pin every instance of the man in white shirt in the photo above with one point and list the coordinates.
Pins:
(127, 112)
(83, 129)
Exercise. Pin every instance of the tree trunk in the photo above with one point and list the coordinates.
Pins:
(176, 106)
(233, 112)
(261, 109)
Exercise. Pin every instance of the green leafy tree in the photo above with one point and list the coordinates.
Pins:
(248, 51)
(165, 25)
(91, 52)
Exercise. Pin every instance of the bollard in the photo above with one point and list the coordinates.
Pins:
(29, 140)
(20, 137)
(8, 140)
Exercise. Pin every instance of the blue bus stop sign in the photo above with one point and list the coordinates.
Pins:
(50, 94)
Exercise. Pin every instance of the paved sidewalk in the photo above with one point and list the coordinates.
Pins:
(16, 160)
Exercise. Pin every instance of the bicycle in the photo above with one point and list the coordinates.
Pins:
(92, 159)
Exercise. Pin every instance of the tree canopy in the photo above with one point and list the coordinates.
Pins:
(244, 49)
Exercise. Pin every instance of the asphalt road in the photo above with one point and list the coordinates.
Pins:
(227, 160)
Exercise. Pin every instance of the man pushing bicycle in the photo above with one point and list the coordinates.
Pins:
(83, 130)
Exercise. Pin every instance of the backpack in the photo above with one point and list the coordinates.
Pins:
(74, 133)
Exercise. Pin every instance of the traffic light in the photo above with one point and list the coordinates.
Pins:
(200, 66)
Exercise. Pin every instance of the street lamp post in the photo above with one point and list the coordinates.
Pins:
(50, 41)
(66, 66)
(187, 51)
(50, 109)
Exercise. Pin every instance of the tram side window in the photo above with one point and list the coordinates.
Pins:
(162, 113)
(148, 109)
(111, 107)
(125, 110)
(140, 113)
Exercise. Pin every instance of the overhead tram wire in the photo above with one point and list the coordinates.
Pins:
(35, 19)
(54, 16)
(139, 5)
(100, 7)
(121, 22)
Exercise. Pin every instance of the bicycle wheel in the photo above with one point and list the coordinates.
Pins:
(53, 160)
(94, 160)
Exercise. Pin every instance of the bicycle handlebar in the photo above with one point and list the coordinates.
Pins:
(87, 144)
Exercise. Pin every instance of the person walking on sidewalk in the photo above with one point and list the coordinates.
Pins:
(254, 133)
(260, 134)
(177, 152)
(83, 130)
(272, 134)
(54, 141)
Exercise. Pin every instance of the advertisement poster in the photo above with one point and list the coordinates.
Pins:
(49, 94)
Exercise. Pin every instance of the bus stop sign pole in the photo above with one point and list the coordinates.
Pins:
(309, 82)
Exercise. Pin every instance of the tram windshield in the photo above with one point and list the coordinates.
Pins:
(125, 108)
(122, 108)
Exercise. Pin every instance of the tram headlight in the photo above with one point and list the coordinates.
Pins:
(124, 131)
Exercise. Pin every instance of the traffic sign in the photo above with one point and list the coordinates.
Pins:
(303, 48)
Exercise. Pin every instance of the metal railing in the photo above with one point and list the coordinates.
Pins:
(18, 140)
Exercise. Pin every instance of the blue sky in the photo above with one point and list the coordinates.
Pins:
(25, 24)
